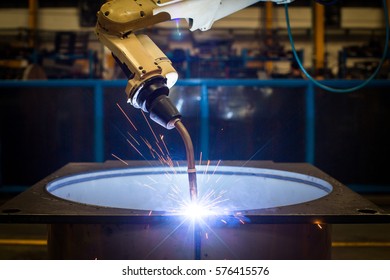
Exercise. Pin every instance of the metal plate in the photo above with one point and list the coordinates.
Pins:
(341, 205)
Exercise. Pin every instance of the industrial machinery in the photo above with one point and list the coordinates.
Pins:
(150, 73)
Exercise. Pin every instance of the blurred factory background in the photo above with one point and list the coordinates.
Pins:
(240, 91)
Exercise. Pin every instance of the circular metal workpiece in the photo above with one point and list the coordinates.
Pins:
(223, 188)
(265, 211)
(225, 192)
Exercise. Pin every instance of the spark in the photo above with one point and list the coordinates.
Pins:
(127, 117)
(158, 146)
(150, 147)
(219, 161)
(175, 189)
(132, 137)
(118, 158)
(162, 140)
(208, 195)
(219, 178)
(216, 201)
(207, 167)
(151, 179)
(318, 225)
(175, 199)
(166, 161)
(135, 148)
(241, 221)
(150, 127)
(209, 202)
(169, 177)
(205, 172)
(215, 169)
(269, 141)
(207, 235)
(149, 186)
(200, 159)
(223, 221)
(150, 213)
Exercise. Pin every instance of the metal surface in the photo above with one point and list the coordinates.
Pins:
(222, 190)
(341, 205)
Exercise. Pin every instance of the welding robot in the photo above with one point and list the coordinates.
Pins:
(149, 72)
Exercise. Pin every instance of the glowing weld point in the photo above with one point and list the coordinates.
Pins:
(196, 211)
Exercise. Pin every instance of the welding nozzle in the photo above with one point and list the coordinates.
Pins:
(153, 98)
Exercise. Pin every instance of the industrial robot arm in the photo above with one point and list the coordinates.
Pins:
(149, 72)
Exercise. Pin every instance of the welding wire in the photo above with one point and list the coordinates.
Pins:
(190, 158)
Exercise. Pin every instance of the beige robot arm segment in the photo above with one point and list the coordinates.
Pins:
(122, 17)
(162, 61)
(142, 58)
